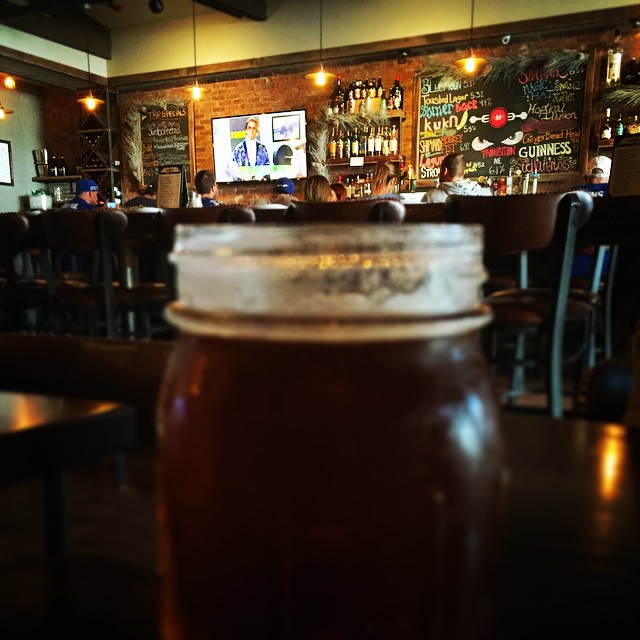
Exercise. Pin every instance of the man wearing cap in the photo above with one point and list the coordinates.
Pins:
(283, 191)
(86, 196)
(597, 178)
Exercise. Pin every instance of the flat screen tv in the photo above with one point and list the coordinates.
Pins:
(264, 146)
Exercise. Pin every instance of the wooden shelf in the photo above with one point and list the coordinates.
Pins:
(344, 162)
(52, 179)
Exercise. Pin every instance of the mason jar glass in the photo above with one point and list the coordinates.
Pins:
(330, 457)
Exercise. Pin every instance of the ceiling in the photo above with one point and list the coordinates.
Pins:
(59, 20)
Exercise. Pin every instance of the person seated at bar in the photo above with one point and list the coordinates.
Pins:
(318, 189)
(597, 178)
(384, 180)
(86, 196)
(453, 182)
(283, 191)
(340, 190)
(146, 197)
(206, 186)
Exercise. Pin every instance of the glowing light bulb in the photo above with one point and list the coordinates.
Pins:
(470, 64)
(196, 92)
(9, 83)
(321, 78)
(91, 103)
(1, 114)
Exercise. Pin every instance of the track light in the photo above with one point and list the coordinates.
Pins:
(156, 6)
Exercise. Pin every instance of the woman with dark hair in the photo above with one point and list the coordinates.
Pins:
(318, 189)
(340, 190)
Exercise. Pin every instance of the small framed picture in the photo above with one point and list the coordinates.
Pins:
(6, 166)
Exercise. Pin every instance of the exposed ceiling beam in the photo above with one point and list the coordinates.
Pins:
(68, 27)
(9, 10)
(254, 9)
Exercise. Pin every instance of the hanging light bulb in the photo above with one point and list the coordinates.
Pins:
(471, 63)
(195, 89)
(89, 102)
(4, 112)
(9, 83)
(320, 77)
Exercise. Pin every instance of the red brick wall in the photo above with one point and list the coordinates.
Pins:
(279, 92)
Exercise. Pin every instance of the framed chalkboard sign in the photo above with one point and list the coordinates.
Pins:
(164, 133)
(531, 121)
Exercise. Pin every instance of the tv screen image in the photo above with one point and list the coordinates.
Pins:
(265, 146)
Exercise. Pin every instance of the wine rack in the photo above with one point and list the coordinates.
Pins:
(100, 147)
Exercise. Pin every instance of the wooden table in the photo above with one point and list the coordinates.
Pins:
(42, 435)
(571, 551)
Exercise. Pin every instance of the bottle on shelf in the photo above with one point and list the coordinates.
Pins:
(633, 128)
(371, 142)
(351, 101)
(363, 142)
(333, 144)
(357, 89)
(393, 141)
(53, 166)
(630, 71)
(346, 144)
(509, 184)
(355, 144)
(373, 91)
(377, 145)
(619, 128)
(396, 95)
(606, 131)
(383, 101)
(337, 97)
(385, 142)
(614, 62)
(379, 88)
(340, 145)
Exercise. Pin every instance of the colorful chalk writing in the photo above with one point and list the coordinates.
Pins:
(165, 137)
(532, 123)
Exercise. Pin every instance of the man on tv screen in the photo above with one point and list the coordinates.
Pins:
(250, 152)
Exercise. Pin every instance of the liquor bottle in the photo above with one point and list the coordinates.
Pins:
(351, 101)
(363, 142)
(356, 90)
(606, 131)
(379, 88)
(340, 145)
(349, 189)
(355, 144)
(393, 141)
(377, 145)
(333, 144)
(397, 94)
(619, 128)
(630, 71)
(63, 168)
(338, 97)
(372, 88)
(371, 143)
(385, 142)
(509, 184)
(634, 126)
(383, 101)
(346, 146)
(614, 65)
(53, 166)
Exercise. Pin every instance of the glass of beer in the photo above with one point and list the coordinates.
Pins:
(330, 457)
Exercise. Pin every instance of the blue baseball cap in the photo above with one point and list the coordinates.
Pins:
(86, 184)
(283, 185)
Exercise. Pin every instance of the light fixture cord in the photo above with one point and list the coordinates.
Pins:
(86, 36)
(193, 14)
(473, 6)
(321, 31)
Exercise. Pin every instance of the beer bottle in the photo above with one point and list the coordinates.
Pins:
(605, 130)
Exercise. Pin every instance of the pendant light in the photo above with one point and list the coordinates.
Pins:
(320, 77)
(471, 63)
(89, 102)
(196, 90)
(4, 112)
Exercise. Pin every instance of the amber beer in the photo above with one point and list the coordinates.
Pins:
(330, 459)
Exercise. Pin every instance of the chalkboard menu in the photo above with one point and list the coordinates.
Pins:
(531, 122)
(164, 130)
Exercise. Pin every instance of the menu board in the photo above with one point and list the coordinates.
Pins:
(164, 131)
(531, 122)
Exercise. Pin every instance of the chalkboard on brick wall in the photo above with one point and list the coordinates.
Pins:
(165, 137)
(532, 122)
